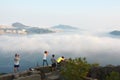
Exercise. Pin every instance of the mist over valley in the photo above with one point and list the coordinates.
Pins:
(96, 47)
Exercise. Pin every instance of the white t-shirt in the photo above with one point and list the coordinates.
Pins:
(45, 56)
(16, 60)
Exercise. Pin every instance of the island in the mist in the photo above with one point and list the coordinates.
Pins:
(19, 28)
(115, 32)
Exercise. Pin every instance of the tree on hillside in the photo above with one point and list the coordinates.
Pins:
(75, 69)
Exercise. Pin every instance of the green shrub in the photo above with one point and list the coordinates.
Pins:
(75, 69)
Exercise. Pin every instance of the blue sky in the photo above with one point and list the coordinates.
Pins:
(80, 13)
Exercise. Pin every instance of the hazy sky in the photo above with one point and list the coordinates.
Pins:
(80, 13)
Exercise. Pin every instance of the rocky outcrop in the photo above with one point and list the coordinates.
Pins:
(37, 73)
(44, 73)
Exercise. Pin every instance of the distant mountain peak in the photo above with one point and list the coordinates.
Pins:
(18, 24)
(115, 32)
(61, 26)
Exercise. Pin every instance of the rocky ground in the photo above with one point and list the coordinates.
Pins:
(55, 75)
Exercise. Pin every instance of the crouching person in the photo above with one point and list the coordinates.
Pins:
(60, 60)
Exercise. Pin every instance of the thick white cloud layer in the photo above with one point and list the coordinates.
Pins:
(99, 49)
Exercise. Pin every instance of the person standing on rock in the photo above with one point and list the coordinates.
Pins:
(16, 62)
(53, 60)
(45, 58)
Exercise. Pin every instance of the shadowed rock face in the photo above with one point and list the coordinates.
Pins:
(101, 72)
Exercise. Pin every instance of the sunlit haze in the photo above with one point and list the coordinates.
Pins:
(87, 14)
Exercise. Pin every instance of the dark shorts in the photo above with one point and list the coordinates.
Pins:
(16, 66)
(54, 65)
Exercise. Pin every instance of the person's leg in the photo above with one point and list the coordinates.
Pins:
(53, 66)
(46, 62)
(18, 68)
(15, 69)
(58, 66)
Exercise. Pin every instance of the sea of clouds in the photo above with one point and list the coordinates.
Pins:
(97, 49)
